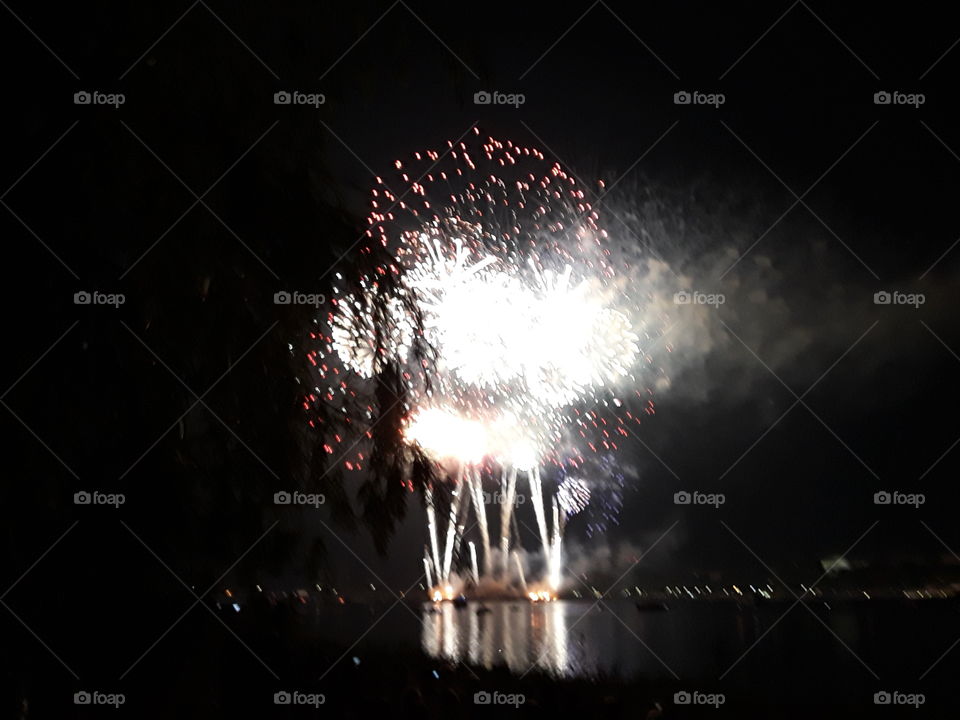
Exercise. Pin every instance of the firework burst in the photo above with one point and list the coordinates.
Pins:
(497, 263)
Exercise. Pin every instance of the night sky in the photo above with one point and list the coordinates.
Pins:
(798, 399)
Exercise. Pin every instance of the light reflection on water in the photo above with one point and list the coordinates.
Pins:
(820, 649)
(519, 635)
(570, 638)
(756, 649)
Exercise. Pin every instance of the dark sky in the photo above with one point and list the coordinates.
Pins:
(877, 188)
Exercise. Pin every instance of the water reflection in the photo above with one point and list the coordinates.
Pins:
(519, 635)
(793, 653)
(570, 638)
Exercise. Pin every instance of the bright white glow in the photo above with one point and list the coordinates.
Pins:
(523, 456)
(445, 435)
(498, 323)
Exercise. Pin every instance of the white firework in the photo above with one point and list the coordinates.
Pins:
(511, 287)
(576, 343)
(466, 312)
(573, 495)
(535, 333)
(355, 328)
